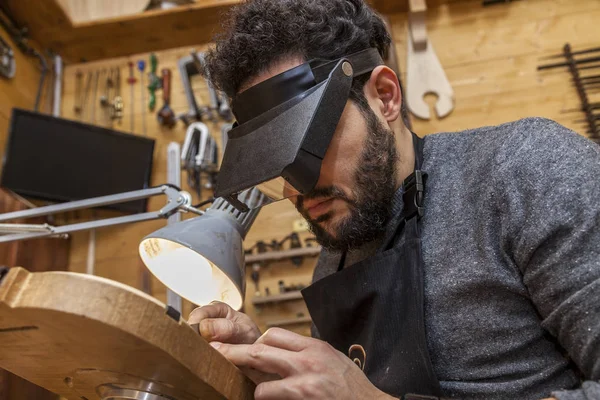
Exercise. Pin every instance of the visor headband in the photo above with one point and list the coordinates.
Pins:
(296, 81)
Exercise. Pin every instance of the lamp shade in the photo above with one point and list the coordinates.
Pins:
(201, 259)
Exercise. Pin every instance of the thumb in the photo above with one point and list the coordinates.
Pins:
(221, 330)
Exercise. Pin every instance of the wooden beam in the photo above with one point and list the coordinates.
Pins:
(187, 25)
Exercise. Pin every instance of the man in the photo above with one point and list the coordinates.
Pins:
(464, 265)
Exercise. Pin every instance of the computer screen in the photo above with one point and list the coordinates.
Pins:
(60, 160)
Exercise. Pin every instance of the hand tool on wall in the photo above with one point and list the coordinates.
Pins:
(258, 252)
(424, 72)
(86, 91)
(8, 65)
(291, 288)
(165, 115)
(19, 36)
(131, 80)
(189, 67)
(583, 84)
(141, 64)
(593, 106)
(78, 105)
(57, 92)
(255, 275)
(575, 53)
(49, 86)
(43, 73)
(117, 104)
(294, 244)
(566, 64)
(105, 98)
(154, 82)
(218, 101)
(199, 157)
(107, 86)
(94, 97)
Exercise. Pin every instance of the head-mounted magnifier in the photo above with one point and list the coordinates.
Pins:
(284, 127)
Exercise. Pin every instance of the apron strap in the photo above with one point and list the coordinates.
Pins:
(412, 197)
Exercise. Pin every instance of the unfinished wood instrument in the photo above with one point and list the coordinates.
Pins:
(86, 337)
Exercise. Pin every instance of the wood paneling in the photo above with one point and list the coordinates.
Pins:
(490, 56)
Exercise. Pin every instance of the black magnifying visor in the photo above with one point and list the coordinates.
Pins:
(284, 126)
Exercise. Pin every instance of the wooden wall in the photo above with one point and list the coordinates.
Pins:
(21, 90)
(490, 56)
(37, 255)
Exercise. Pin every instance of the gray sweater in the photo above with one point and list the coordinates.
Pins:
(511, 248)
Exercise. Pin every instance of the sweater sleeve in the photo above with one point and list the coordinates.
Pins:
(551, 195)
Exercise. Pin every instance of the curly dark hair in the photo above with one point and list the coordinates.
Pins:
(258, 33)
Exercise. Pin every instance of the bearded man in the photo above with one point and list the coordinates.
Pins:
(462, 265)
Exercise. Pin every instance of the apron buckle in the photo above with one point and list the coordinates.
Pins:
(413, 197)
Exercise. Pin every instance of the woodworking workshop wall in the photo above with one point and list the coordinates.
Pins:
(19, 91)
(489, 54)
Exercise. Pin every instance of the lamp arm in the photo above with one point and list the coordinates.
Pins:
(176, 200)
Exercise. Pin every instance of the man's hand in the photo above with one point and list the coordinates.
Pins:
(309, 368)
(219, 322)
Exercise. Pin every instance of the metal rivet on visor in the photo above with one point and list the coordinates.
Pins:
(347, 68)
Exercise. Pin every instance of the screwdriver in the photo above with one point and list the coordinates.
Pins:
(141, 64)
(131, 80)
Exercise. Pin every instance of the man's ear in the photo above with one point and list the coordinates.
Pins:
(383, 91)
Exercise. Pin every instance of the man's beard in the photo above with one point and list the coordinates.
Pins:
(375, 185)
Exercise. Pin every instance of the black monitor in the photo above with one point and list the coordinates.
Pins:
(55, 159)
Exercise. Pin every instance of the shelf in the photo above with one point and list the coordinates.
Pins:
(189, 25)
(51, 27)
(283, 254)
(277, 298)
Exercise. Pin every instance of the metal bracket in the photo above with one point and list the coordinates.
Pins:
(190, 66)
(8, 65)
(199, 156)
(176, 201)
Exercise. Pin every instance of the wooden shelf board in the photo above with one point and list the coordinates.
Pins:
(288, 322)
(277, 298)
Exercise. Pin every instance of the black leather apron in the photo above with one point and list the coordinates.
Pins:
(373, 310)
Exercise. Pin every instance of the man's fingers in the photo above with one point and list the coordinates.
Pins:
(213, 310)
(284, 339)
(222, 330)
(259, 356)
(257, 376)
(283, 389)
